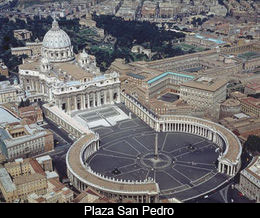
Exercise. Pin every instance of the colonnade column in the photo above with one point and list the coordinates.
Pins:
(219, 166)
(105, 97)
(111, 96)
(118, 95)
(98, 99)
(94, 99)
(83, 102)
(88, 101)
(68, 105)
(75, 102)
(230, 168)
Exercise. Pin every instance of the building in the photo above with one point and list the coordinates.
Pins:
(7, 187)
(141, 50)
(21, 51)
(45, 162)
(242, 125)
(22, 34)
(204, 41)
(252, 88)
(2, 158)
(167, 9)
(19, 139)
(30, 49)
(20, 178)
(149, 9)
(35, 47)
(250, 106)
(249, 182)
(56, 193)
(25, 179)
(148, 81)
(87, 22)
(8, 92)
(91, 196)
(237, 95)
(72, 82)
(3, 69)
(204, 92)
(32, 113)
(229, 107)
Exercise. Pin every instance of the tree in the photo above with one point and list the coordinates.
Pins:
(252, 144)
(27, 102)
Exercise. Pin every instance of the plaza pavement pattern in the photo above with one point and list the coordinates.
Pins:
(187, 163)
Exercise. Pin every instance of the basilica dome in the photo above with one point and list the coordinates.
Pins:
(56, 37)
(56, 45)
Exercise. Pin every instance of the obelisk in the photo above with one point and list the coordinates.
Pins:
(156, 147)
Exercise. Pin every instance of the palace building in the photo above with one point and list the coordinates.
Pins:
(200, 81)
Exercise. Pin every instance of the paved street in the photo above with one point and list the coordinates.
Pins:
(62, 143)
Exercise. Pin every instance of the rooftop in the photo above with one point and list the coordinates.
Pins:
(254, 168)
(32, 131)
(217, 41)
(6, 181)
(240, 116)
(255, 85)
(252, 101)
(51, 175)
(73, 70)
(137, 76)
(6, 117)
(208, 85)
(27, 178)
(169, 73)
(43, 158)
(231, 102)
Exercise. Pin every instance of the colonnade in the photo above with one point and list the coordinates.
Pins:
(185, 124)
(227, 168)
(190, 127)
(138, 198)
(89, 150)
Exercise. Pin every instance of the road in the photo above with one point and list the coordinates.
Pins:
(62, 143)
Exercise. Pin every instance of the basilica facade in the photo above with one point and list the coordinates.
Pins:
(73, 82)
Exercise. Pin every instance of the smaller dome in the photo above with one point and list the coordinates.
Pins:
(84, 54)
(45, 61)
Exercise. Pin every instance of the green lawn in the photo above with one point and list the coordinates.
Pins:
(249, 55)
(104, 48)
(187, 47)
